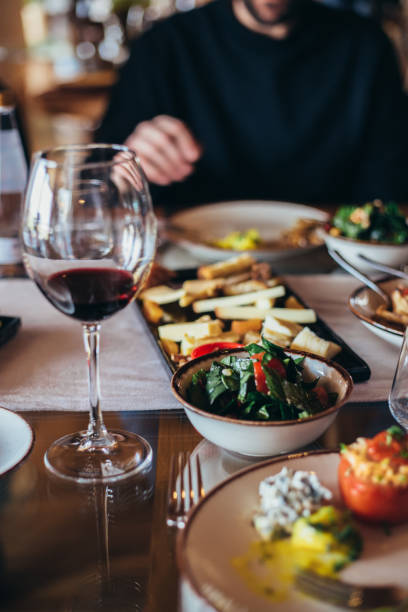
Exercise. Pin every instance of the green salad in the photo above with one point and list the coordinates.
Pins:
(373, 221)
(266, 386)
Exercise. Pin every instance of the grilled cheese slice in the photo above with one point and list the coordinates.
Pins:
(238, 300)
(310, 342)
(198, 286)
(196, 329)
(275, 338)
(234, 265)
(245, 287)
(306, 315)
(279, 326)
(161, 294)
(189, 298)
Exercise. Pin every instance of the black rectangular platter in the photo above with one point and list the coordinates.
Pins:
(347, 358)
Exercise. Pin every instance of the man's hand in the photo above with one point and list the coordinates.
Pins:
(166, 149)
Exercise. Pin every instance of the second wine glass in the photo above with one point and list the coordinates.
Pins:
(398, 397)
(89, 235)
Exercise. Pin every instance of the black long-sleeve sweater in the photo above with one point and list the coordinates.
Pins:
(317, 117)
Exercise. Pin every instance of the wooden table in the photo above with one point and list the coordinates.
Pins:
(89, 548)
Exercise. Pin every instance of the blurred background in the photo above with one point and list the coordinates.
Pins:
(60, 57)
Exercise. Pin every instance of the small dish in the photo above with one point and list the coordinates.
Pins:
(390, 254)
(363, 303)
(16, 439)
(263, 438)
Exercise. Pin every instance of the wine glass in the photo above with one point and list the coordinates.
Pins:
(398, 398)
(89, 237)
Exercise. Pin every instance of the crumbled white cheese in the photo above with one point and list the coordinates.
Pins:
(285, 497)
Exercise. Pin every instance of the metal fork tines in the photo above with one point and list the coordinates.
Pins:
(348, 595)
(185, 488)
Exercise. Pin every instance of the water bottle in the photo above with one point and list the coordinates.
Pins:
(13, 176)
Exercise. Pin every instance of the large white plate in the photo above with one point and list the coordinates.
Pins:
(363, 303)
(16, 439)
(220, 529)
(201, 224)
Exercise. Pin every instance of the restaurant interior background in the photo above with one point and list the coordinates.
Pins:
(61, 57)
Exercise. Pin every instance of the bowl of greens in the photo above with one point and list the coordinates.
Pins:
(377, 230)
(261, 400)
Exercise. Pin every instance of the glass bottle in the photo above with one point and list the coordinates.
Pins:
(13, 176)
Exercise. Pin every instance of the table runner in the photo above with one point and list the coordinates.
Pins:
(44, 366)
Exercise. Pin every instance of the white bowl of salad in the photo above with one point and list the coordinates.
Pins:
(261, 400)
(378, 231)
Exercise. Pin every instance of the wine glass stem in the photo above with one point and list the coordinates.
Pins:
(97, 435)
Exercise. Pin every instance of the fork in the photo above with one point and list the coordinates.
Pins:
(383, 267)
(182, 494)
(346, 265)
(352, 596)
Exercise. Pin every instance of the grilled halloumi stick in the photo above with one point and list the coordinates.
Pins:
(306, 315)
(241, 263)
(276, 338)
(198, 286)
(238, 300)
(244, 287)
(197, 329)
(161, 294)
(279, 326)
(310, 342)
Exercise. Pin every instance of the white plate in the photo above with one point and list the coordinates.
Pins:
(220, 530)
(201, 224)
(363, 303)
(16, 439)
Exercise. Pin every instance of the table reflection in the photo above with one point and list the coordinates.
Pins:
(67, 547)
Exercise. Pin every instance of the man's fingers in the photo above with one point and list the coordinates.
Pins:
(159, 153)
(179, 132)
(166, 148)
(150, 154)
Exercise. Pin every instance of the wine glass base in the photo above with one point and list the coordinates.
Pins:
(131, 454)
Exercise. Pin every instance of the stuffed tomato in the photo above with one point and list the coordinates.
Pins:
(373, 477)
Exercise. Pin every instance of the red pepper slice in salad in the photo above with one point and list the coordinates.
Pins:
(260, 378)
(204, 349)
(322, 396)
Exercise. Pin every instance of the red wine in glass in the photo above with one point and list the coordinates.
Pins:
(89, 294)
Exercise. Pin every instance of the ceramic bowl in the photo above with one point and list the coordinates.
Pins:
(363, 303)
(394, 255)
(263, 438)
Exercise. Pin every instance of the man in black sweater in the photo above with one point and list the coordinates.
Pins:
(268, 99)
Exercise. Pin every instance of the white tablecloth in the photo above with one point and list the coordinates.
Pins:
(44, 366)
(328, 294)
